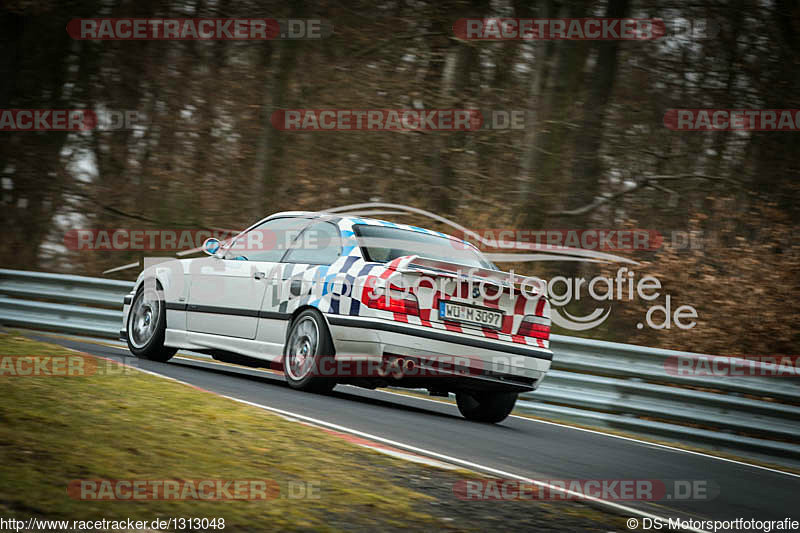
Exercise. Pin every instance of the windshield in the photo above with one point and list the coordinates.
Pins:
(383, 244)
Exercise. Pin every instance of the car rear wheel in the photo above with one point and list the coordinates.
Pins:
(147, 322)
(491, 407)
(308, 352)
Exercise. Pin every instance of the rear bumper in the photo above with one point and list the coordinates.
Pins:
(496, 364)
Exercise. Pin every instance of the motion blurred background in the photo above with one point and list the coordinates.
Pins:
(594, 154)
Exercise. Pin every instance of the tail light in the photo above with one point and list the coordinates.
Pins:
(537, 327)
(394, 301)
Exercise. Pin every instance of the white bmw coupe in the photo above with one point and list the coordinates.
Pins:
(342, 299)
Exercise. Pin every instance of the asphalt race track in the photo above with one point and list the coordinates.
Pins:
(518, 446)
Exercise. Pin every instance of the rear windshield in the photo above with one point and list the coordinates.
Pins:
(383, 244)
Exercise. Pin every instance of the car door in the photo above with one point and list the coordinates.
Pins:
(309, 258)
(227, 292)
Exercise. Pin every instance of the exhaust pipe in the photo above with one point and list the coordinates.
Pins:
(409, 365)
(384, 368)
(396, 368)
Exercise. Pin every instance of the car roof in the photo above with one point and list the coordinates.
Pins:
(355, 220)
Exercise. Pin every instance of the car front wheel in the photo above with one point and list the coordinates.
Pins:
(147, 322)
(490, 407)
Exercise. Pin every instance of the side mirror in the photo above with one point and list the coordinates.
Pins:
(211, 246)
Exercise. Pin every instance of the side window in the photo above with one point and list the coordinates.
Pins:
(268, 241)
(319, 244)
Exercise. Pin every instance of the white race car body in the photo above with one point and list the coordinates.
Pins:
(493, 335)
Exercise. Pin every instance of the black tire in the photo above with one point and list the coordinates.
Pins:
(490, 407)
(152, 347)
(301, 368)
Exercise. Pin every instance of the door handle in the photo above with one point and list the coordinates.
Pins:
(259, 275)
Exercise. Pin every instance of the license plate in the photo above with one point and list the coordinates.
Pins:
(473, 315)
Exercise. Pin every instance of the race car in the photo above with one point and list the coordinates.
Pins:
(330, 299)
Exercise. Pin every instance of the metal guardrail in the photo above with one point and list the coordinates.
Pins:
(39, 300)
(596, 383)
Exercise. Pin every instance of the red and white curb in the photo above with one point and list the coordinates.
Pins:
(382, 448)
